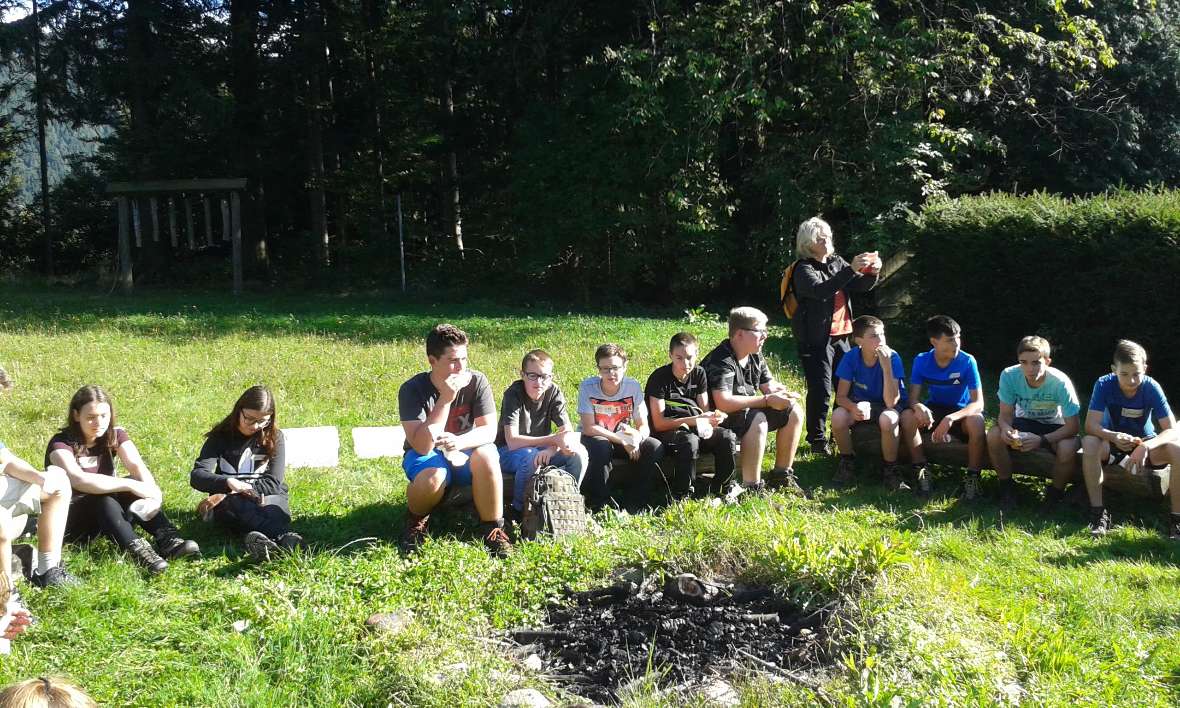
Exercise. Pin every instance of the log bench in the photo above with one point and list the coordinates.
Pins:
(866, 441)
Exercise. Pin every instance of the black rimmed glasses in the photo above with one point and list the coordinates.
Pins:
(535, 377)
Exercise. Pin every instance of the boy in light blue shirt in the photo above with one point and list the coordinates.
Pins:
(955, 406)
(1038, 408)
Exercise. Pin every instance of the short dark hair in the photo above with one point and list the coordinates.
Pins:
(1033, 343)
(1128, 352)
(942, 326)
(682, 339)
(538, 355)
(443, 337)
(864, 323)
(605, 351)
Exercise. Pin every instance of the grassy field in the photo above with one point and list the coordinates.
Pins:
(952, 603)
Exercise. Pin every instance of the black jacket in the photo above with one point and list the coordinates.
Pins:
(226, 455)
(815, 287)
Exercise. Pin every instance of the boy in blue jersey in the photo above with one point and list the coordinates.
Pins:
(1119, 428)
(870, 389)
(955, 405)
(1038, 408)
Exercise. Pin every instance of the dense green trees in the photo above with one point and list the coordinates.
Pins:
(606, 150)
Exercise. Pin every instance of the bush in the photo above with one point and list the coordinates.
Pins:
(1082, 272)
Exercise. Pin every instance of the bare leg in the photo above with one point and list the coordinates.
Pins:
(786, 440)
(753, 447)
(51, 527)
(997, 449)
(890, 442)
(1169, 454)
(487, 484)
(426, 491)
(1095, 451)
(976, 442)
(8, 533)
(912, 437)
(1067, 460)
(842, 430)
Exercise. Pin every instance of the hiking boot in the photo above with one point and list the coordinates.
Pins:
(1053, 498)
(171, 547)
(891, 476)
(1174, 527)
(22, 560)
(821, 447)
(55, 577)
(414, 534)
(760, 488)
(143, 553)
(291, 542)
(1099, 521)
(497, 543)
(260, 547)
(922, 474)
(845, 471)
(970, 486)
(784, 479)
(1007, 498)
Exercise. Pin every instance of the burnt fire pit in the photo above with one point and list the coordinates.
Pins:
(682, 628)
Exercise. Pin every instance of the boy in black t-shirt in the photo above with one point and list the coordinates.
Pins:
(678, 399)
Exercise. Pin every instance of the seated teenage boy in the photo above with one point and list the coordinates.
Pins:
(450, 422)
(870, 389)
(535, 427)
(742, 387)
(614, 421)
(1120, 429)
(1038, 408)
(678, 399)
(25, 490)
(955, 405)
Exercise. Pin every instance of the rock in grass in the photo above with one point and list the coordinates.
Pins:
(533, 663)
(720, 693)
(525, 698)
(390, 623)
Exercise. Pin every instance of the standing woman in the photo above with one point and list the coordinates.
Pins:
(104, 503)
(823, 321)
(241, 467)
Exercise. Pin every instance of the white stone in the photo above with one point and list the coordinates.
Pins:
(312, 447)
(241, 626)
(533, 663)
(385, 441)
(525, 698)
(720, 693)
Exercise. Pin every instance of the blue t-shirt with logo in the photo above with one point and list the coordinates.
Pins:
(1133, 415)
(949, 385)
(1051, 403)
(867, 383)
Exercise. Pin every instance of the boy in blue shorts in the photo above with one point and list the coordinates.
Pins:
(1119, 428)
(955, 405)
(449, 419)
(871, 389)
(535, 427)
(1038, 408)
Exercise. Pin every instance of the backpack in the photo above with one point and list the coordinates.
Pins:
(786, 291)
(552, 505)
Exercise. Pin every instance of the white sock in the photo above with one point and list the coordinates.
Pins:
(47, 560)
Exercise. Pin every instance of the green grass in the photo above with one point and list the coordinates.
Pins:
(954, 604)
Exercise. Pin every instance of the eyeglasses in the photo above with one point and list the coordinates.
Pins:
(251, 420)
(611, 369)
(534, 377)
(757, 332)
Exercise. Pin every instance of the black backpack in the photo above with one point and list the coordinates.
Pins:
(552, 505)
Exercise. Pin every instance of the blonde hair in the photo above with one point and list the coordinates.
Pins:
(808, 232)
(1036, 344)
(45, 693)
(745, 318)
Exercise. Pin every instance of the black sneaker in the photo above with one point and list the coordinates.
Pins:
(143, 553)
(260, 547)
(845, 471)
(1174, 527)
(1007, 498)
(414, 534)
(55, 577)
(497, 543)
(922, 474)
(784, 480)
(291, 542)
(821, 447)
(891, 476)
(22, 560)
(173, 547)
(1099, 521)
(1053, 498)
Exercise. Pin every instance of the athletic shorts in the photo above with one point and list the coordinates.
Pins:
(740, 422)
(938, 412)
(1036, 427)
(19, 497)
(413, 463)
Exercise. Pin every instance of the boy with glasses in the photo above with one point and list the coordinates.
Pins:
(614, 421)
(743, 388)
(535, 427)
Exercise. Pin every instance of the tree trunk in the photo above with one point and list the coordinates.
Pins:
(244, 86)
(43, 162)
(453, 165)
(313, 42)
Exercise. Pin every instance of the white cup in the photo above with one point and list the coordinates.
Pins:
(866, 408)
(704, 429)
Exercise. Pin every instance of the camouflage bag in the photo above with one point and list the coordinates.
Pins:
(552, 505)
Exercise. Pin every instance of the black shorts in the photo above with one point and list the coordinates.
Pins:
(939, 411)
(875, 411)
(1036, 427)
(740, 422)
(1117, 455)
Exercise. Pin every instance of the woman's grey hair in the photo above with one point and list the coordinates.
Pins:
(809, 231)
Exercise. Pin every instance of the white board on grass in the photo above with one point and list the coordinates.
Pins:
(312, 447)
(385, 441)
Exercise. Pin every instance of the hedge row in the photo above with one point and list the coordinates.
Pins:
(1081, 272)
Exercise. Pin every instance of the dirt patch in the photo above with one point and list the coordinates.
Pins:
(680, 628)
